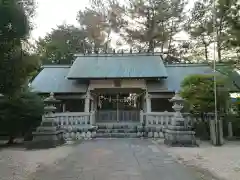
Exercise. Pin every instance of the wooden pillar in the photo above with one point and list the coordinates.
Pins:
(92, 105)
(64, 107)
(95, 103)
(148, 103)
(141, 117)
(144, 107)
(87, 102)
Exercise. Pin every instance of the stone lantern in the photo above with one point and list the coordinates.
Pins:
(48, 134)
(50, 103)
(178, 133)
(178, 102)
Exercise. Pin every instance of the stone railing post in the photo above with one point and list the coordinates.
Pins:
(221, 139)
(92, 117)
(87, 102)
(148, 103)
(141, 116)
(213, 131)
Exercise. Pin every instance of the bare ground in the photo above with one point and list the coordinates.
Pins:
(219, 162)
(18, 163)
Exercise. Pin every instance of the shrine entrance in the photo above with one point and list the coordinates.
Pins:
(119, 107)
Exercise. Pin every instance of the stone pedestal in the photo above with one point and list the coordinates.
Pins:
(178, 133)
(175, 136)
(48, 134)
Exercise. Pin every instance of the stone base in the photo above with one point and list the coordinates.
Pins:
(46, 140)
(180, 138)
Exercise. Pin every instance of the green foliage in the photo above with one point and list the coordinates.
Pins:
(198, 90)
(14, 24)
(201, 129)
(229, 70)
(61, 44)
(233, 20)
(15, 71)
(200, 26)
(153, 24)
(20, 113)
(15, 64)
(99, 20)
(220, 23)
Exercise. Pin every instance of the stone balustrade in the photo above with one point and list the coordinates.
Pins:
(158, 118)
(76, 125)
(156, 122)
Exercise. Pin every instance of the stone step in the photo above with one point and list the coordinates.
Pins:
(116, 126)
(130, 130)
(116, 135)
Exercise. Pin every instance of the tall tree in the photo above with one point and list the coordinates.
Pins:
(233, 20)
(100, 20)
(200, 25)
(14, 28)
(209, 23)
(61, 44)
(223, 8)
(15, 66)
(153, 23)
(112, 12)
(94, 24)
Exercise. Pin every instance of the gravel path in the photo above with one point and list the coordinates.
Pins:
(100, 159)
(116, 159)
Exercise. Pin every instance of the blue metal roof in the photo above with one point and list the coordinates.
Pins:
(118, 66)
(178, 72)
(53, 79)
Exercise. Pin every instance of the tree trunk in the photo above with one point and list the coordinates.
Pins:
(219, 34)
(169, 44)
(108, 39)
(206, 52)
(163, 38)
(170, 39)
(151, 45)
(162, 46)
(219, 51)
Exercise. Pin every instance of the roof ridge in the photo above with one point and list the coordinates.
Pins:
(186, 64)
(56, 66)
(117, 54)
(192, 64)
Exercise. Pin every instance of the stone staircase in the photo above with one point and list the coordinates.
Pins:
(117, 130)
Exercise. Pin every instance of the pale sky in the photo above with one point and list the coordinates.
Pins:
(51, 13)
